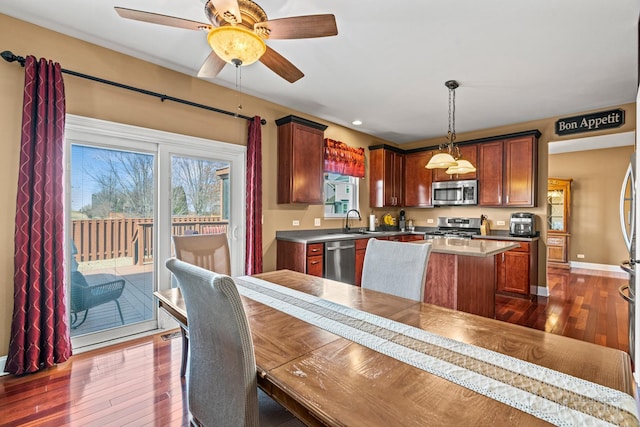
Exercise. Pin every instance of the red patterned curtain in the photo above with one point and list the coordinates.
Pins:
(342, 159)
(254, 198)
(39, 330)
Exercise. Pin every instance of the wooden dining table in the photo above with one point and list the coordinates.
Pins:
(327, 379)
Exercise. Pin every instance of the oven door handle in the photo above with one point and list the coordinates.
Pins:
(627, 298)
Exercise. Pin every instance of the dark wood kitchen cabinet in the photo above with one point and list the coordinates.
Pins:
(417, 179)
(468, 152)
(300, 160)
(507, 172)
(302, 257)
(490, 174)
(517, 269)
(386, 166)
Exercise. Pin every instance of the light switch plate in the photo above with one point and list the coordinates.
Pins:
(499, 222)
(429, 220)
(296, 223)
(316, 222)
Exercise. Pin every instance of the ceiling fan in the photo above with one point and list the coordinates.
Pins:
(237, 31)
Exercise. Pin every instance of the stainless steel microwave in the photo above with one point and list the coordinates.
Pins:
(446, 193)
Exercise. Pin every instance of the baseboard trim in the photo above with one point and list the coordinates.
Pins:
(541, 291)
(594, 266)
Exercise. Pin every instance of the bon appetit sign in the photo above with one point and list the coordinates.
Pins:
(590, 122)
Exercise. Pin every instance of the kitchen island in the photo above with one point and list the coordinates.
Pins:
(462, 274)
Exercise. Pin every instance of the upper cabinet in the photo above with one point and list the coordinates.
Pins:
(386, 166)
(300, 160)
(507, 171)
(417, 179)
(468, 152)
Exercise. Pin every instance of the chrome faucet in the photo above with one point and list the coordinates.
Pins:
(346, 221)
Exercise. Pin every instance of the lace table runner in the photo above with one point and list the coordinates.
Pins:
(550, 395)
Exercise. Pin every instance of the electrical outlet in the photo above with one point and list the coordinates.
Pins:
(429, 220)
(296, 223)
(580, 255)
(316, 222)
(499, 222)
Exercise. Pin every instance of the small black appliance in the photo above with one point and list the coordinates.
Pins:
(522, 224)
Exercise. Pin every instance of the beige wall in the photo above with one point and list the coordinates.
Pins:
(595, 193)
(91, 99)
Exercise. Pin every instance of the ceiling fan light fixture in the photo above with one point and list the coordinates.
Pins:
(233, 44)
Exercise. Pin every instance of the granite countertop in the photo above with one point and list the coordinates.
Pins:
(330, 235)
(326, 235)
(469, 247)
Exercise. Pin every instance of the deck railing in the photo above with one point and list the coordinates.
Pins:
(103, 239)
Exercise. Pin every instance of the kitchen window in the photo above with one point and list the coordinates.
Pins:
(340, 194)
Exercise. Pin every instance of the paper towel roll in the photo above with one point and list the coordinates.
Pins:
(372, 223)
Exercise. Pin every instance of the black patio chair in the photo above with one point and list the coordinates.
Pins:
(85, 296)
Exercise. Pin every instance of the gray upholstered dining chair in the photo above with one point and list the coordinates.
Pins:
(397, 268)
(222, 380)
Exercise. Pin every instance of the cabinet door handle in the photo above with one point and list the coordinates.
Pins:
(314, 262)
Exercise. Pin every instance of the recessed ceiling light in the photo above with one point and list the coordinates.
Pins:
(356, 122)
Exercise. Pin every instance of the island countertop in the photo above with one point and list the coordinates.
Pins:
(469, 247)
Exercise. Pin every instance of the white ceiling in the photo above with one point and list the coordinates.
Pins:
(515, 60)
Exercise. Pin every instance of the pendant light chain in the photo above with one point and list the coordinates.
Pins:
(449, 156)
(452, 115)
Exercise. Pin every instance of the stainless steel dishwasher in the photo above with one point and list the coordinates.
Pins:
(340, 261)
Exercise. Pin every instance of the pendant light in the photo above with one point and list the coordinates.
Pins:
(449, 156)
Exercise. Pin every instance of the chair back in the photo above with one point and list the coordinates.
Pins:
(397, 268)
(209, 251)
(221, 381)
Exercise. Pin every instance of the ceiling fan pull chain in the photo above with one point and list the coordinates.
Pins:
(239, 83)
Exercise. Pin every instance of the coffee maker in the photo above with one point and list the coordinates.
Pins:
(402, 221)
(522, 224)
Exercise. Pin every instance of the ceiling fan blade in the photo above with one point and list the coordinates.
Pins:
(229, 10)
(211, 66)
(281, 66)
(299, 27)
(156, 18)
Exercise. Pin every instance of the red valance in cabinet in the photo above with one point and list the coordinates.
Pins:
(342, 159)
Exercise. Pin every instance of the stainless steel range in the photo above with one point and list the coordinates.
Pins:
(455, 228)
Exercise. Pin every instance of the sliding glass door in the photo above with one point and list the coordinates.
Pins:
(128, 191)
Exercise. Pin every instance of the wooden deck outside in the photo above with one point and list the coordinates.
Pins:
(136, 301)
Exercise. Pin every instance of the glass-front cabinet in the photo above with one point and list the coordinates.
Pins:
(558, 211)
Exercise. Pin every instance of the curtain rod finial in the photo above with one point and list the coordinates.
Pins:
(8, 56)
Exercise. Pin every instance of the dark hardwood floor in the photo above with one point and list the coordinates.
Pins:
(582, 304)
(138, 384)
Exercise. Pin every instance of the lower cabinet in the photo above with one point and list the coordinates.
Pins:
(315, 259)
(300, 257)
(517, 269)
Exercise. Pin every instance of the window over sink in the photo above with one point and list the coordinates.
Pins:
(340, 194)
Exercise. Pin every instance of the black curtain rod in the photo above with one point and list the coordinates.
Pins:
(10, 57)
